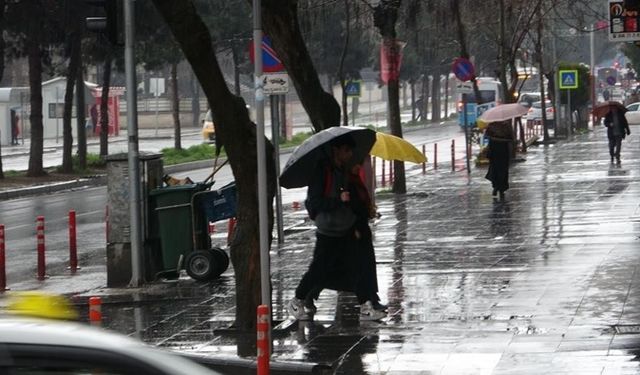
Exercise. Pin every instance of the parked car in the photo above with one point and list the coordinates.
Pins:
(535, 112)
(42, 346)
(633, 113)
(208, 130)
(526, 99)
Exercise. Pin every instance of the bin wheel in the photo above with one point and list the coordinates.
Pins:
(222, 260)
(200, 265)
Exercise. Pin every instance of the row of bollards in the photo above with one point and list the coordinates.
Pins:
(386, 178)
(40, 250)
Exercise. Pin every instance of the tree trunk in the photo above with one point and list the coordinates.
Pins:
(195, 101)
(543, 104)
(425, 96)
(435, 102)
(236, 132)
(175, 107)
(413, 101)
(80, 119)
(280, 20)
(35, 86)
(104, 106)
(235, 56)
(385, 15)
(343, 55)
(446, 96)
(67, 129)
(2, 56)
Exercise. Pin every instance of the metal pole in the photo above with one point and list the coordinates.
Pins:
(132, 130)
(275, 139)
(55, 113)
(466, 134)
(570, 110)
(592, 44)
(265, 277)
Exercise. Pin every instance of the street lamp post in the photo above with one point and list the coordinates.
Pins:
(265, 277)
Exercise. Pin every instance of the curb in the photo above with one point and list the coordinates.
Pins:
(52, 188)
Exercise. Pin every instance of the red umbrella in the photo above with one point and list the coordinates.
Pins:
(601, 109)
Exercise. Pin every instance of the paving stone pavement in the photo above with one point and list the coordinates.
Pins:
(545, 282)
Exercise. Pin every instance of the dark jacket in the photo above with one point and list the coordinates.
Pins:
(619, 128)
(333, 217)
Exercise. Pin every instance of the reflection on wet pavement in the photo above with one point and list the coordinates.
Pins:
(532, 285)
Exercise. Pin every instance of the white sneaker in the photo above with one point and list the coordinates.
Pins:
(367, 312)
(296, 309)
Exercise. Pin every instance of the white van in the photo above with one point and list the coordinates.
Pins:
(490, 96)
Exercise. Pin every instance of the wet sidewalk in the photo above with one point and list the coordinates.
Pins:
(545, 282)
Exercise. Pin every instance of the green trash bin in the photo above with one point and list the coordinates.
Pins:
(174, 219)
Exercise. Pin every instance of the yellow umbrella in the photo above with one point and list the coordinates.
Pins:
(390, 147)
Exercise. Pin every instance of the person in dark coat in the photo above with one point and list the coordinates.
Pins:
(329, 205)
(617, 130)
(500, 136)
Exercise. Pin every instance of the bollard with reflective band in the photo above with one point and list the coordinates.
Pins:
(3, 274)
(211, 228)
(73, 246)
(95, 311)
(262, 343)
(453, 155)
(231, 227)
(435, 156)
(295, 205)
(40, 246)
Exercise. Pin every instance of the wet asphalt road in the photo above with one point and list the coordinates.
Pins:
(544, 282)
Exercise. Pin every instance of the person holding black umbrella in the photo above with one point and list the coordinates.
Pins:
(617, 129)
(329, 205)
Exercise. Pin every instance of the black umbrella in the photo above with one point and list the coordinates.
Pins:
(304, 157)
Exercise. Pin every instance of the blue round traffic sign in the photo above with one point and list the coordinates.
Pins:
(463, 69)
(611, 80)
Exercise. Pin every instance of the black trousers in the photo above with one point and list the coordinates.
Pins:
(342, 263)
(615, 144)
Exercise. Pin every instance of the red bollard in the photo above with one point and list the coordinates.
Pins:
(211, 228)
(73, 245)
(95, 311)
(40, 246)
(262, 342)
(231, 227)
(295, 205)
(424, 165)
(453, 155)
(435, 156)
(3, 274)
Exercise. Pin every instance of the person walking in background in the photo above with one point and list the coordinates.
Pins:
(500, 136)
(15, 128)
(329, 205)
(617, 130)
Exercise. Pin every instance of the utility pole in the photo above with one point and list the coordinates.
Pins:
(132, 132)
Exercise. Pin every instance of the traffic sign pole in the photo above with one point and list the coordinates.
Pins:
(466, 133)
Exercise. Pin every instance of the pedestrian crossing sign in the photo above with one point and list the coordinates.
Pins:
(568, 79)
(352, 88)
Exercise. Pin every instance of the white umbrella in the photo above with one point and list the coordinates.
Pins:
(503, 112)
